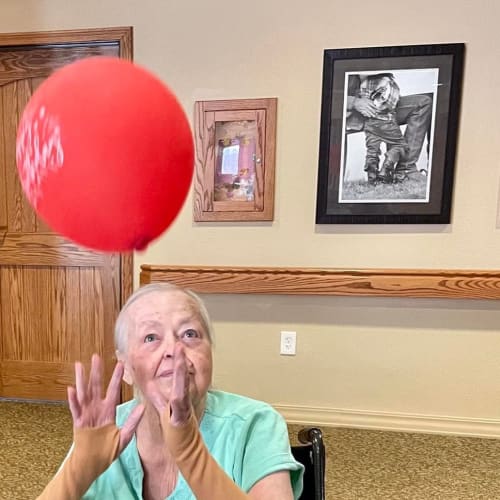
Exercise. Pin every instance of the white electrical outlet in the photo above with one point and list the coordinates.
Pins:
(288, 343)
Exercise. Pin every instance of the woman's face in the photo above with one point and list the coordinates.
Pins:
(157, 321)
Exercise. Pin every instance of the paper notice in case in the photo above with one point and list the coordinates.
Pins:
(230, 157)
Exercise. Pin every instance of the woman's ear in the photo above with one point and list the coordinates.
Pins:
(127, 377)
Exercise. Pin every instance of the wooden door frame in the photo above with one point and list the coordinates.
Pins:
(121, 35)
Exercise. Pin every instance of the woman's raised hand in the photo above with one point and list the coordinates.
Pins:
(180, 401)
(90, 409)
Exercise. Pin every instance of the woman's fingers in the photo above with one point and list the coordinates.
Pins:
(95, 378)
(180, 402)
(180, 383)
(128, 429)
(113, 392)
(81, 389)
(74, 406)
(180, 386)
(86, 404)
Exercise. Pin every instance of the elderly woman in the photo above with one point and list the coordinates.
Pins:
(178, 439)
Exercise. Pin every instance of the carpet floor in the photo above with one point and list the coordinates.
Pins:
(361, 464)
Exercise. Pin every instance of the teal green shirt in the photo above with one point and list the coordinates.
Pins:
(248, 439)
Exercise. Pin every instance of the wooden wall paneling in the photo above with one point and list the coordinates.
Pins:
(127, 277)
(439, 283)
(91, 313)
(59, 300)
(40, 225)
(3, 179)
(72, 296)
(38, 337)
(23, 380)
(62, 321)
(97, 321)
(22, 217)
(36, 341)
(45, 249)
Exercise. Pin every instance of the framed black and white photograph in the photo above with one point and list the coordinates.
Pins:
(389, 122)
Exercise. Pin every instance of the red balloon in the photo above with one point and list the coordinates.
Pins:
(105, 154)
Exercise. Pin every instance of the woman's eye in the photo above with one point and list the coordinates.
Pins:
(191, 334)
(149, 338)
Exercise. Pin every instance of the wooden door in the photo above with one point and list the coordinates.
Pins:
(58, 301)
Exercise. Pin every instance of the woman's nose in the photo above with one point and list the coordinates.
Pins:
(169, 346)
(167, 354)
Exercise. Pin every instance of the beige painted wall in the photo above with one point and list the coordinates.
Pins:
(372, 356)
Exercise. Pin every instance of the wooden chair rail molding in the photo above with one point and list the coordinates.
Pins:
(437, 283)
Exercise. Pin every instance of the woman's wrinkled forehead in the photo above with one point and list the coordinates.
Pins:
(162, 303)
(161, 299)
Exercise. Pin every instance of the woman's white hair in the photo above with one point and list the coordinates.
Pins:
(123, 321)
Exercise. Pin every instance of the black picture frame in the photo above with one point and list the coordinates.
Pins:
(416, 134)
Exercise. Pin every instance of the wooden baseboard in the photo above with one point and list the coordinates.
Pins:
(399, 422)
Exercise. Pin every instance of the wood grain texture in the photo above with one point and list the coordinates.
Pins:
(28, 336)
(203, 181)
(58, 301)
(122, 34)
(45, 249)
(265, 152)
(207, 113)
(3, 171)
(29, 379)
(237, 104)
(455, 284)
(20, 215)
(99, 301)
(127, 277)
(270, 158)
(41, 62)
(52, 50)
